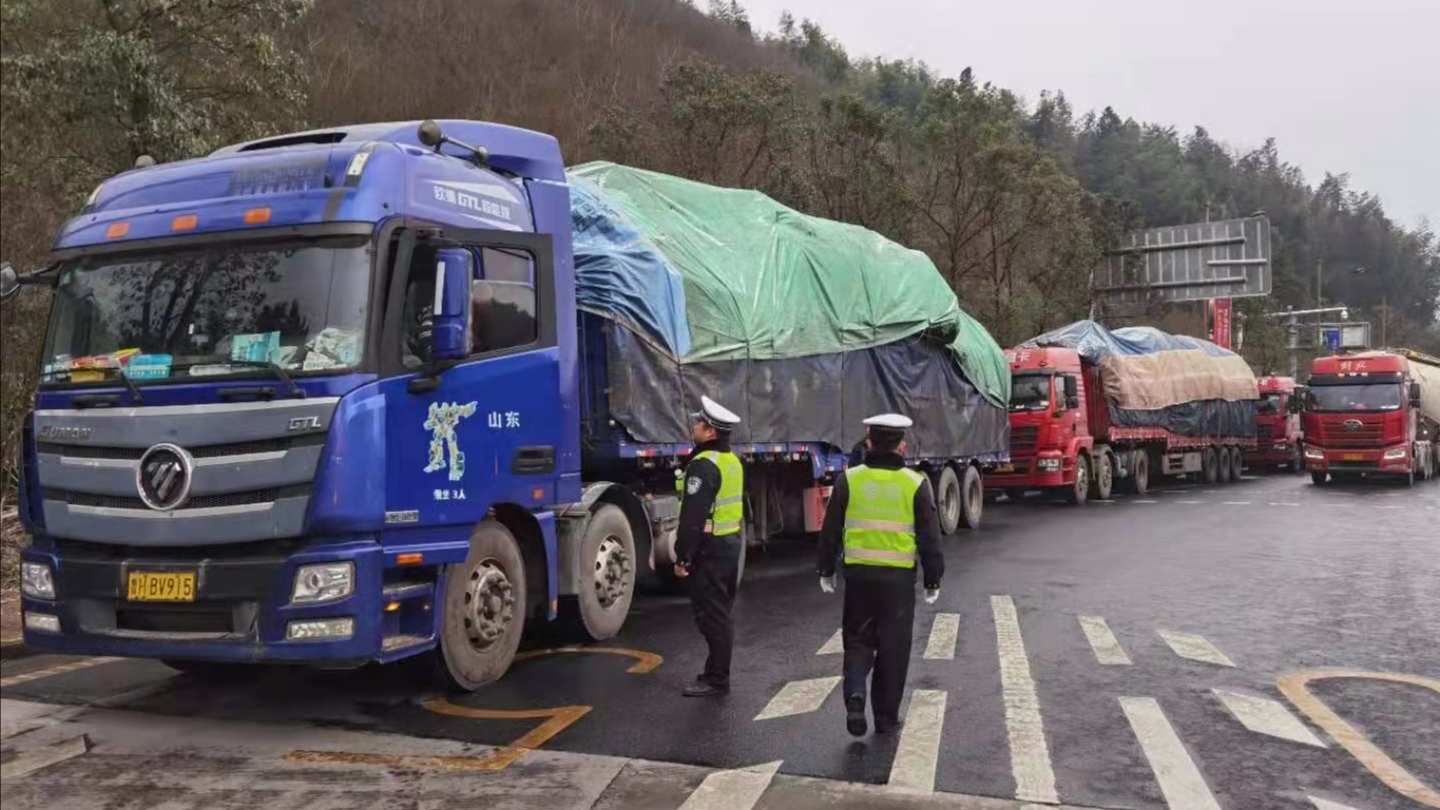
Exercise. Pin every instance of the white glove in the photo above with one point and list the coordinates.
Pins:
(931, 596)
(827, 584)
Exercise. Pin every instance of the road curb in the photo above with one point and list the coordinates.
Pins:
(15, 649)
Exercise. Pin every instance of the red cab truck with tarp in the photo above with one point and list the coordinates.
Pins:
(1277, 425)
(1373, 414)
(1090, 407)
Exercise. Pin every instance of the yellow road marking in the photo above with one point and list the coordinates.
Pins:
(58, 669)
(557, 719)
(1296, 687)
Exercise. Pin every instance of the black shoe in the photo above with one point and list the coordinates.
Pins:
(705, 689)
(888, 727)
(855, 715)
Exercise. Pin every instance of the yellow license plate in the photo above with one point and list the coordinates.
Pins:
(1353, 457)
(158, 586)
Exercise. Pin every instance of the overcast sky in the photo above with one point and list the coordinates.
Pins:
(1343, 85)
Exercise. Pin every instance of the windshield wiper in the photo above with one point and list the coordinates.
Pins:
(295, 390)
(135, 395)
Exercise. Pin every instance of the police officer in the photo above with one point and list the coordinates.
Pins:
(707, 544)
(882, 516)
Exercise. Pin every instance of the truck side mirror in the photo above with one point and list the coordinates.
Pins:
(1414, 394)
(450, 338)
(9, 282)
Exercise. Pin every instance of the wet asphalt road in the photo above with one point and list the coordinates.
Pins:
(1276, 575)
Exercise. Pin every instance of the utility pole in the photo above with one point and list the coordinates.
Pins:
(1319, 266)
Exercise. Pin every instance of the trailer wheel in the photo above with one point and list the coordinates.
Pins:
(1211, 465)
(484, 609)
(607, 553)
(1222, 471)
(972, 500)
(1140, 473)
(1237, 464)
(1319, 479)
(947, 501)
(1102, 483)
(1081, 490)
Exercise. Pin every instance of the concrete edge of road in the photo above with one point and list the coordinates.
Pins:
(46, 734)
(14, 649)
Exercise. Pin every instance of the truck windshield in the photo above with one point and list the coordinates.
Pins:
(187, 314)
(1030, 392)
(1371, 397)
(1269, 405)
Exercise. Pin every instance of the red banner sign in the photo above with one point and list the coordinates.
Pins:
(1221, 314)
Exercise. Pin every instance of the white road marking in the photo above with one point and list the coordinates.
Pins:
(834, 645)
(1196, 648)
(739, 789)
(799, 697)
(1180, 779)
(1193, 503)
(1283, 503)
(1236, 503)
(1029, 754)
(58, 669)
(914, 766)
(1143, 500)
(1322, 804)
(1265, 716)
(1392, 506)
(1103, 642)
(28, 762)
(944, 632)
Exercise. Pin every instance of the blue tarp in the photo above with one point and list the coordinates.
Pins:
(1093, 341)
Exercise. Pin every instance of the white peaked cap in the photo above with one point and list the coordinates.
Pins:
(718, 416)
(890, 421)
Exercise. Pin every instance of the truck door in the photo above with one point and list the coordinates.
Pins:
(486, 429)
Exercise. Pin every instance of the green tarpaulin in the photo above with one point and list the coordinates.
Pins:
(762, 281)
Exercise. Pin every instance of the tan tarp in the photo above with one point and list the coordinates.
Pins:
(1150, 382)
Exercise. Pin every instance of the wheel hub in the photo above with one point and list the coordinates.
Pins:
(612, 572)
(489, 604)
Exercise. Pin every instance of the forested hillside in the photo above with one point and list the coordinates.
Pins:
(1014, 198)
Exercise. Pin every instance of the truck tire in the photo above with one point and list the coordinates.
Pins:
(1222, 469)
(1077, 493)
(483, 616)
(1102, 483)
(1211, 466)
(1319, 479)
(1237, 464)
(607, 556)
(947, 501)
(1140, 473)
(972, 497)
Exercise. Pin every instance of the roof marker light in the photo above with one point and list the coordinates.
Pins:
(357, 163)
(257, 216)
(117, 230)
(184, 222)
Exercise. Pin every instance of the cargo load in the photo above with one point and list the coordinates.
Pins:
(1426, 371)
(802, 326)
(1186, 385)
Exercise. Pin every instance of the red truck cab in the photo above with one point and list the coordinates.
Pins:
(1277, 425)
(1049, 427)
(1362, 419)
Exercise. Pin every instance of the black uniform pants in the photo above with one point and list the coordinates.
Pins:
(713, 578)
(878, 623)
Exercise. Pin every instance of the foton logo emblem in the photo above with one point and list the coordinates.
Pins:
(64, 432)
(1353, 424)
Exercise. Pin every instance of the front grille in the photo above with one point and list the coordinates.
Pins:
(201, 451)
(1023, 441)
(199, 502)
(1334, 434)
(198, 618)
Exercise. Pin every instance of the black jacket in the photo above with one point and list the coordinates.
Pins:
(702, 485)
(927, 530)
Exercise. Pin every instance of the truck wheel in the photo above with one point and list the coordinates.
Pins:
(484, 611)
(1222, 470)
(1103, 481)
(1140, 473)
(607, 553)
(212, 671)
(1078, 493)
(972, 498)
(947, 501)
(1211, 466)
(1237, 464)
(1319, 478)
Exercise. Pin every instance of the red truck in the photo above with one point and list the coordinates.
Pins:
(1373, 415)
(1063, 438)
(1277, 425)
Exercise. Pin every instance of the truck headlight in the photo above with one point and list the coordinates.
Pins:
(325, 582)
(1049, 464)
(37, 581)
(1398, 452)
(1311, 452)
(42, 622)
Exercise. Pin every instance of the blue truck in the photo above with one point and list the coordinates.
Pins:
(328, 399)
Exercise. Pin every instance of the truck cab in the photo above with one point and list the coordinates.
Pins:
(1363, 419)
(1277, 425)
(1050, 433)
(312, 399)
